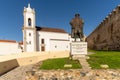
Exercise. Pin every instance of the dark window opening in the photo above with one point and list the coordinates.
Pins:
(29, 42)
(29, 22)
(55, 46)
(29, 34)
(42, 41)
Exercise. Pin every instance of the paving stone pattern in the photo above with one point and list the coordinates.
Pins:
(84, 63)
(76, 74)
(18, 73)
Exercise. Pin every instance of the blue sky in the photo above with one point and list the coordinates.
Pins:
(52, 13)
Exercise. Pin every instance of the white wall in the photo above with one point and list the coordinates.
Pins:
(52, 39)
(9, 48)
(53, 35)
(59, 45)
(29, 47)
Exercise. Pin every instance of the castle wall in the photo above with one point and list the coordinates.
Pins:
(107, 35)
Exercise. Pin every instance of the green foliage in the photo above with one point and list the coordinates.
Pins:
(59, 64)
(111, 58)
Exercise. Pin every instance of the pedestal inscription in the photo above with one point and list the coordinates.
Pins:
(78, 48)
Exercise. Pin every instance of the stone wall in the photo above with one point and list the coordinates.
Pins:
(8, 65)
(107, 35)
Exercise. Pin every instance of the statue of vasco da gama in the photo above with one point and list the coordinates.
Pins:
(77, 27)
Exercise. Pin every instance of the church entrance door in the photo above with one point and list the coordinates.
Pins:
(42, 48)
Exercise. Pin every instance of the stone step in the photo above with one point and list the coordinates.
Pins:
(83, 62)
(85, 65)
(87, 68)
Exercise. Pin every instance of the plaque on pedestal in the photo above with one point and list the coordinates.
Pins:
(78, 49)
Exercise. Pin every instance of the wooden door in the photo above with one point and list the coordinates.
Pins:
(42, 48)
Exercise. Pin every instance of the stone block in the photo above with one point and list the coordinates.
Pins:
(68, 65)
(105, 66)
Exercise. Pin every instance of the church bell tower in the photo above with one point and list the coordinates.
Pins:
(29, 30)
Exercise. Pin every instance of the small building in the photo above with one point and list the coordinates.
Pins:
(9, 47)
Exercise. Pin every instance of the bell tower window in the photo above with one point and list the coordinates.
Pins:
(29, 34)
(29, 21)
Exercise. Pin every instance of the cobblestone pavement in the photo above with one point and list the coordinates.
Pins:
(75, 74)
(17, 73)
(30, 73)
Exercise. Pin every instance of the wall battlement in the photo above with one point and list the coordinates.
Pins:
(107, 35)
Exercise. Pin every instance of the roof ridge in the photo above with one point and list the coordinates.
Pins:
(49, 29)
(12, 41)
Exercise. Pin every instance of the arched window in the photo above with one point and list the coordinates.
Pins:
(29, 22)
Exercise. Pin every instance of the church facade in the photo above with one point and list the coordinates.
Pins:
(37, 38)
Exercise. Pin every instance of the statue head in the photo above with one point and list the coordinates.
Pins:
(77, 15)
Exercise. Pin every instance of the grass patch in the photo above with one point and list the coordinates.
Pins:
(111, 58)
(59, 64)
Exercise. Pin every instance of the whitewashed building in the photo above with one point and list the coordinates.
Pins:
(9, 47)
(42, 38)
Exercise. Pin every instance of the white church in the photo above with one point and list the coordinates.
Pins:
(37, 38)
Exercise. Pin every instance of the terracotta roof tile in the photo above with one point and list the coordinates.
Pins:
(46, 29)
(21, 43)
(10, 41)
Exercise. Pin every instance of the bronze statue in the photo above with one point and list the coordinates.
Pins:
(77, 27)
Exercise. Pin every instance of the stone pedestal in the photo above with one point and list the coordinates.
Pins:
(78, 49)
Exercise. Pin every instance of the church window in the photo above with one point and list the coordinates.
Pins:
(29, 34)
(29, 42)
(66, 46)
(29, 22)
(55, 46)
(42, 41)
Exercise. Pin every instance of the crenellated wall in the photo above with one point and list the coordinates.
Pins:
(107, 35)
